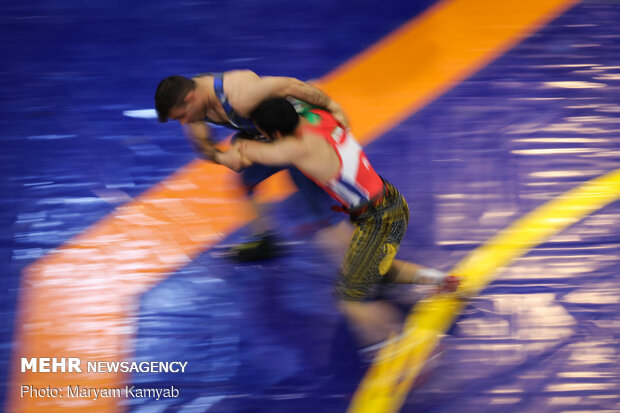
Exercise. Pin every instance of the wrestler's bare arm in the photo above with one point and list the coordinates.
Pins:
(245, 90)
(310, 154)
(199, 135)
(285, 151)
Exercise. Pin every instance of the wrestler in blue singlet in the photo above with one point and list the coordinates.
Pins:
(317, 200)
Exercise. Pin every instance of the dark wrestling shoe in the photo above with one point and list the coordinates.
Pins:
(263, 247)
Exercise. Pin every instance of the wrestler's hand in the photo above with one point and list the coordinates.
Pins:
(339, 114)
(208, 151)
(233, 158)
(199, 136)
(450, 283)
(241, 147)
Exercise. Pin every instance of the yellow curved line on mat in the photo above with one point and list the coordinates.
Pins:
(79, 301)
(388, 381)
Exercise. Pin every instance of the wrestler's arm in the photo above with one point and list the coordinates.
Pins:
(256, 89)
(285, 151)
(199, 135)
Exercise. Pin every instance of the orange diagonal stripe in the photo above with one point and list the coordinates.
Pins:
(79, 301)
(429, 55)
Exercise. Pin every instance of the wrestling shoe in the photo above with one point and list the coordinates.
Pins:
(263, 247)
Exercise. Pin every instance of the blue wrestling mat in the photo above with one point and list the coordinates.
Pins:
(510, 169)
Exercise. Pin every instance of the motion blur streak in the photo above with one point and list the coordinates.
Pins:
(441, 48)
(389, 380)
(144, 240)
(135, 247)
(429, 55)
